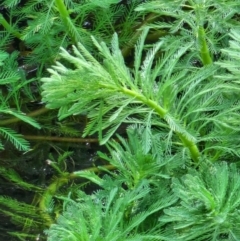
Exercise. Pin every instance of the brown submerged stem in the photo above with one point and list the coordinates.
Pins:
(61, 139)
(31, 114)
(51, 190)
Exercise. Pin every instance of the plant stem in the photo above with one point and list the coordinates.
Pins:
(194, 151)
(32, 114)
(9, 28)
(62, 9)
(47, 196)
(54, 187)
(61, 139)
(160, 110)
(204, 51)
(65, 17)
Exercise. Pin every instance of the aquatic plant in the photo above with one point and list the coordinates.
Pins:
(165, 75)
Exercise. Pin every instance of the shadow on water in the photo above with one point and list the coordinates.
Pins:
(33, 168)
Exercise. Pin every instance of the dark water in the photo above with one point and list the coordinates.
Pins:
(34, 169)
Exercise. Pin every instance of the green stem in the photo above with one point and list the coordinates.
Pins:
(161, 111)
(204, 50)
(62, 9)
(9, 28)
(54, 187)
(194, 151)
(65, 17)
(48, 194)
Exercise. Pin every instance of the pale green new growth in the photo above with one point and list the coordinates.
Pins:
(186, 101)
(200, 205)
(209, 203)
(115, 212)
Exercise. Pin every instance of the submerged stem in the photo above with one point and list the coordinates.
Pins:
(58, 182)
(15, 119)
(61, 139)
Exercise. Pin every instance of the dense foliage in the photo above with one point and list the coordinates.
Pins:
(157, 83)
